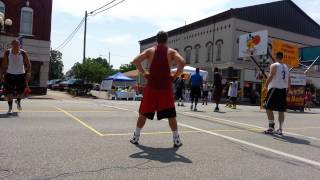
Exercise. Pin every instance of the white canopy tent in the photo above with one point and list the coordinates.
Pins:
(190, 70)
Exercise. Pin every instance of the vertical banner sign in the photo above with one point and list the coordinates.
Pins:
(290, 52)
(253, 44)
(295, 98)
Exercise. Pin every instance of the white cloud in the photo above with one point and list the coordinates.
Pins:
(120, 39)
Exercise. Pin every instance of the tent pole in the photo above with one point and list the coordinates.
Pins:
(311, 65)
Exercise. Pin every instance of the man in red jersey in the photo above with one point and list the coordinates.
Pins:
(158, 95)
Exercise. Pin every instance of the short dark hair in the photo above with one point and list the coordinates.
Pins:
(279, 55)
(197, 70)
(162, 37)
(216, 70)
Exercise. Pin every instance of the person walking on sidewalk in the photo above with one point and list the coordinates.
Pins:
(205, 93)
(180, 89)
(217, 88)
(158, 95)
(233, 93)
(196, 85)
(16, 73)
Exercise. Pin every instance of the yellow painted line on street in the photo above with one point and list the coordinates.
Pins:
(80, 121)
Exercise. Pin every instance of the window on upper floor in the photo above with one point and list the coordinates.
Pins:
(26, 23)
(187, 51)
(197, 50)
(209, 47)
(219, 44)
(2, 7)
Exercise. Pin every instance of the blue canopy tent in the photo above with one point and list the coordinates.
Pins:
(117, 80)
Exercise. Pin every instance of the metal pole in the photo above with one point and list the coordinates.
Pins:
(109, 59)
(311, 65)
(85, 36)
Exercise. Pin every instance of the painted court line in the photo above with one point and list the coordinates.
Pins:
(281, 153)
(226, 120)
(80, 121)
(243, 124)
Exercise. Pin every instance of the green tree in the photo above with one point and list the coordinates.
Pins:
(127, 67)
(92, 70)
(55, 65)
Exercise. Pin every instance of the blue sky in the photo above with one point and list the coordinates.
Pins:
(119, 29)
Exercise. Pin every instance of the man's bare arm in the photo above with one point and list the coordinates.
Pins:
(273, 72)
(139, 59)
(4, 65)
(28, 66)
(180, 62)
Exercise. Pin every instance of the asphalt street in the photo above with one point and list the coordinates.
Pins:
(72, 138)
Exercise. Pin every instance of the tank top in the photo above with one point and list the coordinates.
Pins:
(15, 63)
(280, 80)
(160, 74)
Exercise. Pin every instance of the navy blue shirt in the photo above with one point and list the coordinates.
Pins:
(196, 80)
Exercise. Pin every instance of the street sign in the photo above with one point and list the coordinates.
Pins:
(253, 44)
(290, 52)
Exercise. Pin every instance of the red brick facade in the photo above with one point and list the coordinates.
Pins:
(42, 12)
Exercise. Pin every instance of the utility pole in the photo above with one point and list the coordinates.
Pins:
(109, 59)
(85, 36)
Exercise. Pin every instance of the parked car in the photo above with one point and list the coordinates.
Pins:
(96, 87)
(53, 82)
(74, 84)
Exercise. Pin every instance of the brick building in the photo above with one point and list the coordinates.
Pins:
(31, 22)
(215, 40)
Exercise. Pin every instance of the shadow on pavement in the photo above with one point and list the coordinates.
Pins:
(291, 139)
(15, 114)
(164, 155)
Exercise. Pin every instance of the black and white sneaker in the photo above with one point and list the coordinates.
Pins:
(18, 105)
(135, 139)
(177, 142)
(279, 132)
(10, 112)
(269, 131)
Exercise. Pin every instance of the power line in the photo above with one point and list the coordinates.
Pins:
(71, 36)
(108, 8)
(102, 7)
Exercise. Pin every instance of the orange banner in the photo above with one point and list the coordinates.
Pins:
(290, 52)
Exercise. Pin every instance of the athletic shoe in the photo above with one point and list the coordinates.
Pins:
(195, 109)
(269, 131)
(178, 104)
(216, 109)
(203, 103)
(177, 142)
(10, 111)
(233, 107)
(182, 105)
(279, 132)
(135, 139)
(191, 107)
(18, 105)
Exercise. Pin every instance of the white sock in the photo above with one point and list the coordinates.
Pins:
(137, 131)
(175, 134)
(280, 124)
